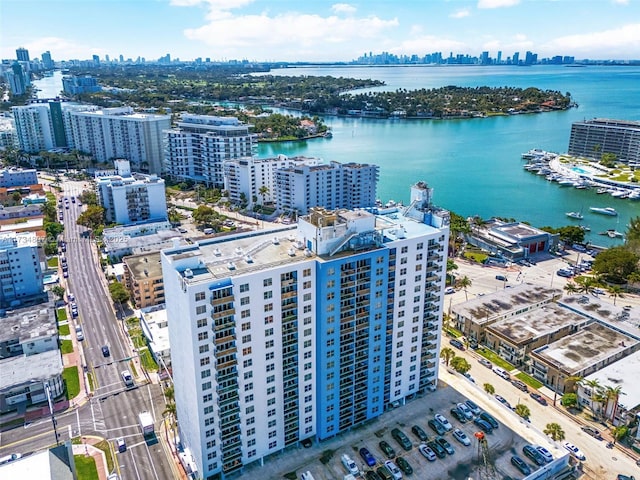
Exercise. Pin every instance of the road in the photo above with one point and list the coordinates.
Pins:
(111, 412)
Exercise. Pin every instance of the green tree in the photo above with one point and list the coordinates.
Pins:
(88, 197)
(571, 288)
(569, 400)
(458, 227)
(490, 389)
(92, 217)
(615, 291)
(619, 432)
(608, 160)
(555, 431)
(612, 396)
(594, 387)
(451, 266)
(616, 264)
(447, 354)
(522, 410)
(205, 216)
(58, 291)
(263, 191)
(118, 292)
(460, 364)
(464, 283)
(585, 284)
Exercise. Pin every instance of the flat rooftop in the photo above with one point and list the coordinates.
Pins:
(144, 266)
(146, 243)
(533, 324)
(156, 328)
(15, 371)
(622, 374)
(590, 345)
(626, 319)
(255, 251)
(28, 323)
(493, 305)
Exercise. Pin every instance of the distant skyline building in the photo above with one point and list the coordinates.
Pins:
(292, 334)
(22, 54)
(74, 85)
(18, 79)
(593, 138)
(197, 149)
(47, 62)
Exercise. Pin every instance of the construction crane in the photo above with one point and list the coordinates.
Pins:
(486, 469)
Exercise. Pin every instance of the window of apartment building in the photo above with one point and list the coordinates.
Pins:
(205, 373)
(203, 348)
(244, 287)
(398, 383)
(420, 246)
(271, 401)
(248, 375)
(245, 313)
(307, 320)
(246, 338)
(203, 336)
(403, 261)
(271, 390)
(245, 300)
(306, 285)
(268, 332)
(271, 367)
(268, 307)
(251, 442)
(202, 322)
(418, 267)
(268, 294)
(208, 410)
(271, 413)
(211, 444)
(205, 361)
(251, 420)
(248, 362)
(307, 309)
(331, 271)
(271, 378)
(307, 343)
(268, 344)
(418, 278)
(306, 297)
(200, 296)
(200, 309)
(206, 386)
(210, 433)
(268, 319)
(248, 398)
(267, 282)
(207, 398)
(404, 249)
(251, 431)
(246, 351)
(252, 453)
(248, 387)
(399, 364)
(269, 356)
(246, 326)
(249, 409)
(271, 424)
(306, 272)
(331, 295)
(273, 444)
(403, 271)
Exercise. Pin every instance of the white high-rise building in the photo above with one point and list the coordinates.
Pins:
(21, 274)
(198, 147)
(112, 133)
(34, 127)
(333, 185)
(303, 332)
(133, 198)
(249, 175)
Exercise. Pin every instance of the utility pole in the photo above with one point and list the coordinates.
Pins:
(47, 390)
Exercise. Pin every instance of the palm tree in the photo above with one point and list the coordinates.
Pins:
(619, 432)
(554, 430)
(594, 386)
(522, 410)
(490, 389)
(575, 381)
(447, 353)
(571, 288)
(464, 283)
(263, 191)
(615, 291)
(585, 284)
(612, 395)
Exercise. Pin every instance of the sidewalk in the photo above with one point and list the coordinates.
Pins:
(86, 448)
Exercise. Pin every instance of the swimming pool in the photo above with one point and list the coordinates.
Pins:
(581, 170)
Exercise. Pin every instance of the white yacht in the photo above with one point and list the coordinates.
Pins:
(604, 210)
(576, 215)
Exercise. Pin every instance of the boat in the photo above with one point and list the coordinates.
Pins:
(604, 210)
(635, 195)
(614, 234)
(566, 182)
(576, 215)
(602, 190)
(585, 228)
(620, 194)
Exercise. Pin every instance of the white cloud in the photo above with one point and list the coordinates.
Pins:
(622, 42)
(429, 44)
(464, 12)
(343, 8)
(497, 3)
(214, 4)
(288, 36)
(620, 2)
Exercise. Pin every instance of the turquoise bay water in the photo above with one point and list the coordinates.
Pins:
(474, 165)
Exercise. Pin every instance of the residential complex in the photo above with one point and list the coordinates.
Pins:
(333, 185)
(78, 85)
(143, 279)
(17, 78)
(18, 177)
(592, 138)
(303, 332)
(132, 199)
(21, 274)
(197, 149)
(39, 126)
(29, 357)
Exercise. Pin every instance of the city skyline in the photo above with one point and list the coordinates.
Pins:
(319, 31)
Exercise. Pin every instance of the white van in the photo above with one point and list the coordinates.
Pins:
(307, 476)
(501, 373)
(349, 464)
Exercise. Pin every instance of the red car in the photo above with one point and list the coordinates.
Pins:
(538, 398)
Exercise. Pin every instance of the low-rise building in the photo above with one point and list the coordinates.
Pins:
(137, 239)
(512, 240)
(143, 279)
(9, 215)
(21, 268)
(55, 463)
(18, 177)
(155, 327)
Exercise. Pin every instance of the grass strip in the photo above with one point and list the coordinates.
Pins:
(61, 314)
(495, 358)
(52, 262)
(72, 382)
(86, 467)
(147, 360)
(529, 380)
(66, 346)
(106, 448)
(64, 329)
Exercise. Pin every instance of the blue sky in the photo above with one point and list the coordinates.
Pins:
(318, 30)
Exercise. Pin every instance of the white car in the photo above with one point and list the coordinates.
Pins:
(393, 468)
(465, 410)
(444, 422)
(575, 451)
(460, 436)
(546, 454)
(349, 464)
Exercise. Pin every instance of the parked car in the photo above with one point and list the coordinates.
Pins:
(456, 343)
(473, 406)
(460, 436)
(79, 333)
(485, 362)
(449, 290)
(468, 376)
(538, 398)
(521, 465)
(519, 384)
(436, 427)
(502, 278)
(420, 433)
(445, 444)
(575, 451)
(393, 468)
(501, 372)
(400, 437)
(458, 415)
(404, 465)
(372, 475)
(503, 401)
(592, 431)
(349, 464)
(387, 449)
(427, 452)
(533, 454)
(484, 425)
(443, 420)
(625, 477)
(384, 473)
(465, 410)
(487, 417)
(369, 459)
(439, 451)
(546, 454)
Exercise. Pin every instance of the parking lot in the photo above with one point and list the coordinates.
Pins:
(464, 463)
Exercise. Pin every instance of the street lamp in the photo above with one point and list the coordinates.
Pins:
(47, 390)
